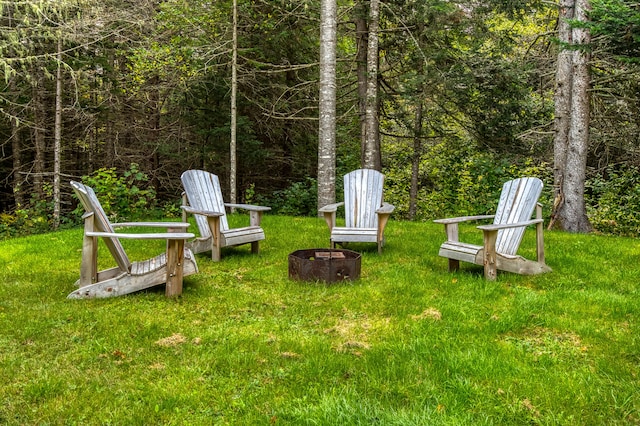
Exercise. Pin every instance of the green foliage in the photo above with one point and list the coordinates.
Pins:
(479, 74)
(171, 209)
(123, 197)
(250, 194)
(458, 180)
(23, 222)
(616, 26)
(613, 200)
(36, 218)
(498, 103)
(299, 199)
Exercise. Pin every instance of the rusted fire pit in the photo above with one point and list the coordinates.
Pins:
(321, 264)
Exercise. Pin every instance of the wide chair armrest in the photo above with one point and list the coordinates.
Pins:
(208, 213)
(463, 219)
(384, 213)
(386, 208)
(249, 207)
(330, 208)
(329, 212)
(495, 227)
(143, 236)
(451, 224)
(172, 225)
(255, 212)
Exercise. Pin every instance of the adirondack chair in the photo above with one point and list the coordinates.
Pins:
(202, 197)
(127, 277)
(502, 239)
(366, 215)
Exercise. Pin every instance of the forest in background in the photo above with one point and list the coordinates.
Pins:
(131, 94)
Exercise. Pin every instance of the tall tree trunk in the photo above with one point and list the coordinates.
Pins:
(233, 169)
(362, 43)
(415, 161)
(372, 158)
(16, 150)
(152, 138)
(16, 136)
(575, 217)
(57, 140)
(572, 105)
(39, 134)
(112, 129)
(417, 140)
(562, 98)
(327, 105)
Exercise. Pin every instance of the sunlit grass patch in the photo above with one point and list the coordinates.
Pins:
(541, 342)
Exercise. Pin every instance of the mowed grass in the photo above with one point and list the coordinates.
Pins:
(407, 344)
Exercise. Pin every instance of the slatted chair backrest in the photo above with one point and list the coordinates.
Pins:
(91, 204)
(517, 204)
(362, 197)
(204, 193)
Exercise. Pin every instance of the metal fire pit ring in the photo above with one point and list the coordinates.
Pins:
(321, 264)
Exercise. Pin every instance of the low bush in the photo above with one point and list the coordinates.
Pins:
(613, 201)
(124, 197)
(299, 199)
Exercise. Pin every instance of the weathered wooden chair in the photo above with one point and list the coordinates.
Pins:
(502, 239)
(366, 214)
(128, 277)
(202, 197)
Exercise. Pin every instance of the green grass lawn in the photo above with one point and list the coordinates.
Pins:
(407, 344)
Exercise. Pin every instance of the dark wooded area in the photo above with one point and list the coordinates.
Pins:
(465, 100)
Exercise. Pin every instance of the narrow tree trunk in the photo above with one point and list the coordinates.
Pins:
(57, 140)
(362, 42)
(112, 132)
(327, 105)
(16, 150)
(39, 134)
(372, 157)
(233, 169)
(415, 162)
(16, 136)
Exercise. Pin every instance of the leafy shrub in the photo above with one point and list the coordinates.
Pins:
(457, 179)
(34, 219)
(299, 199)
(171, 209)
(123, 197)
(612, 202)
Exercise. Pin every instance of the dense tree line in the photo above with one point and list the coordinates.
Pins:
(465, 98)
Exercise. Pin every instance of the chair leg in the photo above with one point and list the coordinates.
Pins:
(89, 265)
(255, 247)
(539, 235)
(215, 254)
(216, 244)
(490, 266)
(454, 265)
(175, 261)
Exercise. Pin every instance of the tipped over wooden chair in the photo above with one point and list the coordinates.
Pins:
(518, 200)
(203, 198)
(366, 214)
(127, 277)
